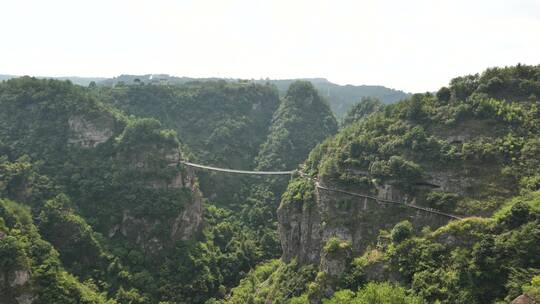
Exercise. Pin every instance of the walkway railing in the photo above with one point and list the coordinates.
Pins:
(385, 201)
(377, 199)
(238, 171)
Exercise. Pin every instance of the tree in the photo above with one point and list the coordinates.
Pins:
(401, 231)
(362, 109)
(375, 293)
(518, 215)
(444, 94)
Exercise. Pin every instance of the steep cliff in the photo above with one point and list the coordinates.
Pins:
(222, 123)
(125, 173)
(109, 191)
(429, 160)
(30, 269)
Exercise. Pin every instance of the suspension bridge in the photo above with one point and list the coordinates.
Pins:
(318, 186)
(238, 171)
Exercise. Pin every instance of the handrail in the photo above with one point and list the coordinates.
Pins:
(378, 200)
(238, 171)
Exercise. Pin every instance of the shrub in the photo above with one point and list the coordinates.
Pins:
(401, 231)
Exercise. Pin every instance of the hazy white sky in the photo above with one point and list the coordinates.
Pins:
(413, 45)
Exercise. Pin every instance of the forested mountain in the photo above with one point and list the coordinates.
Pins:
(88, 171)
(31, 269)
(82, 81)
(432, 199)
(103, 181)
(302, 120)
(222, 124)
(469, 151)
(340, 97)
(5, 77)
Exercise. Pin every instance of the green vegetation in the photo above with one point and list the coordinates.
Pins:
(335, 245)
(375, 293)
(107, 191)
(222, 123)
(343, 98)
(477, 260)
(340, 97)
(533, 288)
(33, 263)
(272, 281)
(468, 150)
(468, 133)
(361, 110)
(95, 206)
(302, 120)
(401, 231)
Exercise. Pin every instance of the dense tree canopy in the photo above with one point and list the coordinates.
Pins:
(92, 192)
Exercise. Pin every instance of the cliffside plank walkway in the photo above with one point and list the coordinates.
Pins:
(377, 199)
(385, 201)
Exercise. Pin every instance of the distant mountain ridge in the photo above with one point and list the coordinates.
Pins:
(340, 97)
(82, 81)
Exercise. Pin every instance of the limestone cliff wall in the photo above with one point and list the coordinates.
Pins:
(88, 133)
(305, 230)
(15, 287)
(152, 170)
(153, 234)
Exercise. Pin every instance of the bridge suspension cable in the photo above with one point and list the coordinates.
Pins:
(238, 171)
(377, 199)
(385, 201)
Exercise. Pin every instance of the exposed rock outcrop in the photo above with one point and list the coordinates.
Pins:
(305, 230)
(17, 285)
(523, 299)
(450, 181)
(20, 277)
(184, 226)
(300, 232)
(90, 133)
(189, 222)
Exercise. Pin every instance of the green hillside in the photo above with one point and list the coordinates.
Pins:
(431, 199)
(103, 181)
(468, 150)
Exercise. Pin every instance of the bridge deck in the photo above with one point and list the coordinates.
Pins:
(378, 200)
(238, 171)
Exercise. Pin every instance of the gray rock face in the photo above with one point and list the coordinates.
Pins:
(334, 265)
(189, 222)
(20, 278)
(177, 182)
(18, 287)
(305, 231)
(378, 272)
(89, 133)
(300, 233)
(182, 226)
(25, 298)
(523, 299)
(449, 181)
(355, 221)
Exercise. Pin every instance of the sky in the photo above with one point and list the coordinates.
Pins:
(412, 45)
